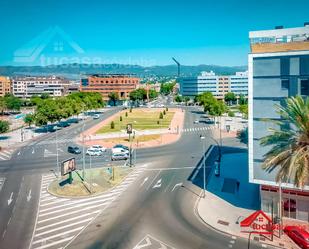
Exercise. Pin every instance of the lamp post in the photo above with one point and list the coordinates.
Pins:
(57, 154)
(203, 137)
(83, 150)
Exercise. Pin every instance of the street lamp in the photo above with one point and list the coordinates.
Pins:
(218, 161)
(57, 154)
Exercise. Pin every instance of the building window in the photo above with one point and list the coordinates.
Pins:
(285, 84)
(304, 87)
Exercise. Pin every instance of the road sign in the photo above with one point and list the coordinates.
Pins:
(68, 166)
(129, 128)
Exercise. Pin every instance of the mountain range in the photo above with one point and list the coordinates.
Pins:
(73, 71)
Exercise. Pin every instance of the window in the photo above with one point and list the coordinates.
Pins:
(304, 87)
(285, 84)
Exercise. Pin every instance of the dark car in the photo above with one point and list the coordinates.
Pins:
(121, 146)
(63, 124)
(73, 120)
(299, 235)
(74, 150)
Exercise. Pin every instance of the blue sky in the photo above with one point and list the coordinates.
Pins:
(149, 32)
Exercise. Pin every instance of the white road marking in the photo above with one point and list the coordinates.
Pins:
(234, 237)
(54, 243)
(264, 246)
(158, 184)
(232, 241)
(29, 196)
(148, 243)
(18, 153)
(154, 179)
(177, 185)
(145, 180)
(11, 199)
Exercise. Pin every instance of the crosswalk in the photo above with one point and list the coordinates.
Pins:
(6, 154)
(2, 180)
(60, 220)
(194, 129)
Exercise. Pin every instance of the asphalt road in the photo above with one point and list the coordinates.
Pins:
(155, 211)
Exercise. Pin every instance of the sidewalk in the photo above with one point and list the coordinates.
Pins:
(230, 198)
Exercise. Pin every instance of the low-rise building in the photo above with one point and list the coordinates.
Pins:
(5, 85)
(122, 84)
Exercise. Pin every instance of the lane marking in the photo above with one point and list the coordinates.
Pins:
(177, 185)
(145, 180)
(53, 243)
(154, 179)
(11, 199)
(158, 184)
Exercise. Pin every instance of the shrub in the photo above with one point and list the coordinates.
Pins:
(131, 109)
(164, 113)
(158, 122)
(231, 114)
(4, 126)
(161, 115)
(166, 109)
(120, 118)
(126, 114)
(112, 125)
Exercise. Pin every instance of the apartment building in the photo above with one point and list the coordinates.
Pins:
(123, 84)
(28, 86)
(278, 67)
(5, 85)
(218, 85)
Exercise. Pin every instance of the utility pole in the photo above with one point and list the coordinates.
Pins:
(57, 154)
(83, 150)
(203, 138)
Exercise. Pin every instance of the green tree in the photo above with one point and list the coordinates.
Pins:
(167, 88)
(113, 96)
(244, 110)
(231, 114)
(120, 118)
(44, 96)
(178, 99)
(164, 113)
(289, 143)
(229, 98)
(161, 115)
(126, 114)
(242, 100)
(243, 135)
(112, 125)
(2, 105)
(12, 103)
(153, 94)
(4, 126)
(186, 99)
(29, 119)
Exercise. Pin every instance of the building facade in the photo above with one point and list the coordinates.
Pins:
(5, 85)
(29, 86)
(278, 68)
(218, 85)
(107, 83)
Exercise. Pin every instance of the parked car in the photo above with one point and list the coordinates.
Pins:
(73, 120)
(196, 121)
(74, 150)
(63, 124)
(121, 146)
(96, 116)
(94, 152)
(120, 150)
(299, 235)
(119, 156)
(98, 147)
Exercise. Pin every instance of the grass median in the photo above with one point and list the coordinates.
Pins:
(141, 119)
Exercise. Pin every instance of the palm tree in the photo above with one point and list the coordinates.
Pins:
(290, 144)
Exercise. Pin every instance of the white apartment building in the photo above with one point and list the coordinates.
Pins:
(28, 86)
(218, 85)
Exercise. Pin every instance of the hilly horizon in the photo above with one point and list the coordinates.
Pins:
(74, 70)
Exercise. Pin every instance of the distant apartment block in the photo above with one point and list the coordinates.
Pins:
(106, 83)
(278, 68)
(28, 86)
(218, 85)
(5, 85)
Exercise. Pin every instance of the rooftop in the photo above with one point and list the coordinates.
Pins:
(280, 39)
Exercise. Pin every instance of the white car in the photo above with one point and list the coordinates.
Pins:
(98, 147)
(196, 121)
(93, 152)
(96, 116)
